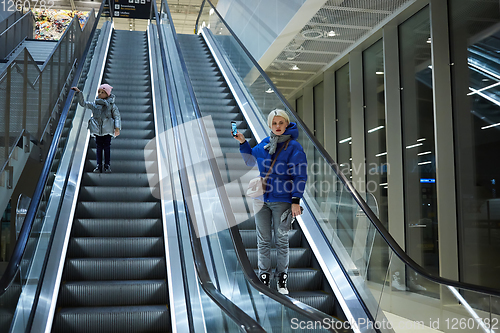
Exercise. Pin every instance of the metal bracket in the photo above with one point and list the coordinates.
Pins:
(9, 174)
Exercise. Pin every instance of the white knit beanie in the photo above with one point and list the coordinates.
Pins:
(276, 113)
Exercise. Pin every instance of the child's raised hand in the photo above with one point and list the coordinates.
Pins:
(117, 131)
(75, 89)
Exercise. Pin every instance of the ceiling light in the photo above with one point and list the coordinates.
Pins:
(375, 129)
(421, 139)
(331, 33)
(269, 91)
(424, 153)
(295, 68)
(489, 126)
(426, 162)
(413, 146)
(379, 73)
(429, 40)
(381, 154)
(345, 140)
(211, 12)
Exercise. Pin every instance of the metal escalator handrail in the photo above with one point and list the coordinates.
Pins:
(248, 271)
(242, 319)
(22, 241)
(391, 242)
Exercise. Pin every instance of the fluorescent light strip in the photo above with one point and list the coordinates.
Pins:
(484, 70)
(415, 145)
(424, 153)
(427, 162)
(422, 139)
(489, 126)
(345, 140)
(375, 129)
(381, 154)
(486, 97)
(485, 88)
(383, 184)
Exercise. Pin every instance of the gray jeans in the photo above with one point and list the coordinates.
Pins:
(267, 213)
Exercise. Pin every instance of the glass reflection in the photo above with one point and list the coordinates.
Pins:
(475, 47)
(376, 150)
(418, 148)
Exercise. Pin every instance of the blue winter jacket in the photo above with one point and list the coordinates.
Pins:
(289, 175)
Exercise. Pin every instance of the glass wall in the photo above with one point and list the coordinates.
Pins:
(299, 107)
(319, 113)
(418, 145)
(315, 172)
(343, 104)
(475, 49)
(376, 150)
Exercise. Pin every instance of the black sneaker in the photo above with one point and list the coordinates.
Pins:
(107, 168)
(98, 169)
(265, 279)
(282, 289)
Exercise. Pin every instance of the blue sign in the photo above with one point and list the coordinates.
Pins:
(427, 180)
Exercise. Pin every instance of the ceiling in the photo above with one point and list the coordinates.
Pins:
(317, 38)
(333, 29)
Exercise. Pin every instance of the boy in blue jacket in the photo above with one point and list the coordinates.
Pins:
(284, 189)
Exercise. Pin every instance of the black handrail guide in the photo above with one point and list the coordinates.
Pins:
(357, 197)
(249, 273)
(244, 321)
(20, 246)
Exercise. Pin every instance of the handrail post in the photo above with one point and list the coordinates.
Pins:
(40, 102)
(7, 112)
(25, 89)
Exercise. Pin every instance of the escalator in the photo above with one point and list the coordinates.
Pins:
(306, 282)
(114, 277)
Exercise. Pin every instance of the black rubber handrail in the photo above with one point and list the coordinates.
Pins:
(248, 271)
(242, 319)
(20, 246)
(391, 242)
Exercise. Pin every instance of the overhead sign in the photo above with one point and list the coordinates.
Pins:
(137, 9)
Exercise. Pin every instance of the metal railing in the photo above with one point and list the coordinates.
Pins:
(16, 28)
(30, 96)
(12, 281)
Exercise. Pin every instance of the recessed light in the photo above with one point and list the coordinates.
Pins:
(332, 33)
(269, 91)
(295, 68)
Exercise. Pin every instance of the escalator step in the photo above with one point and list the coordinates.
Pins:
(126, 154)
(114, 179)
(130, 319)
(97, 269)
(113, 293)
(124, 166)
(108, 247)
(299, 257)
(117, 227)
(130, 210)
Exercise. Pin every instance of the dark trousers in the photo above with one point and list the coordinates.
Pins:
(103, 143)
